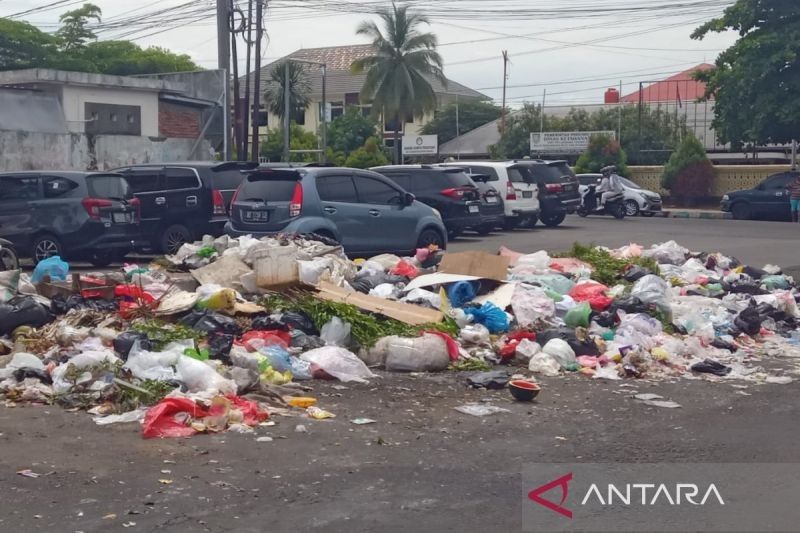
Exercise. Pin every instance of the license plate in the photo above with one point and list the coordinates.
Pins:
(122, 218)
(255, 216)
(474, 209)
(527, 194)
(491, 199)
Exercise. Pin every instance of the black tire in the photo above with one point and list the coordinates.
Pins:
(534, 220)
(430, 236)
(631, 208)
(45, 246)
(551, 220)
(453, 234)
(101, 259)
(741, 211)
(510, 223)
(582, 212)
(620, 211)
(173, 238)
(649, 214)
(8, 259)
(484, 230)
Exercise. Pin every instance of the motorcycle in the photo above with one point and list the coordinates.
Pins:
(614, 206)
(9, 260)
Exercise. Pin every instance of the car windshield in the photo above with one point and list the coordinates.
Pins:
(536, 173)
(262, 188)
(114, 187)
(563, 169)
(456, 178)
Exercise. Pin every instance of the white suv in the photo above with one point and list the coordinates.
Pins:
(520, 196)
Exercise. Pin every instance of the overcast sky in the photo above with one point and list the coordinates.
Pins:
(544, 50)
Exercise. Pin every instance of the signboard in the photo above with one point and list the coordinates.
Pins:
(564, 142)
(420, 145)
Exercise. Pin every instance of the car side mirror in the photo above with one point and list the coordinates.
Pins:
(408, 199)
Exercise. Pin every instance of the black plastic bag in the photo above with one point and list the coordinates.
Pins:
(635, 273)
(286, 321)
(606, 319)
(746, 287)
(709, 366)
(23, 311)
(496, 379)
(306, 342)
(368, 281)
(27, 372)
(723, 345)
(210, 322)
(630, 304)
(566, 334)
(749, 321)
(219, 346)
(125, 341)
(60, 305)
(755, 273)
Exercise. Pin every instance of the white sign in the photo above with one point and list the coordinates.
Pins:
(564, 142)
(420, 145)
(328, 111)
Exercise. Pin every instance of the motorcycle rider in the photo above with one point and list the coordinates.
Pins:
(610, 184)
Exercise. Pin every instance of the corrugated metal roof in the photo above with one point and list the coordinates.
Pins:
(678, 87)
(340, 79)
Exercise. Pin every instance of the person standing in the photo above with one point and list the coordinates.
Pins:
(794, 197)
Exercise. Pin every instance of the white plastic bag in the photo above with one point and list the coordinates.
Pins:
(561, 352)
(311, 271)
(21, 360)
(199, 376)
(421, 295)
(386, 291)
(80, 361)
(339, 363)
(531, 304)
(652, 289)
(667, 252)
(536, 263)
(336, 332)
(542, 363)
(527, 348)
(474, 334)
(427, 353)
(639, 322)
(153, 365)
(607, 372)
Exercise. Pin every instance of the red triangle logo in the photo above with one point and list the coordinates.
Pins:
(563, 482)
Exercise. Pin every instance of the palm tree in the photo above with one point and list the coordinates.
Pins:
(299, 88)
(399, 73)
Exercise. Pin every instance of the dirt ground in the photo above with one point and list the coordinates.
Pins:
(421, 464)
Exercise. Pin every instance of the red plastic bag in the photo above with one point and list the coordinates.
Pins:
(252, 413)
(270, 337)
(570, 265)
(404, 268)
(133, 292)
(509, 349)
(160, 421)
(592, 292)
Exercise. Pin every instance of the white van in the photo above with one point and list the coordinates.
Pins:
(520, 196)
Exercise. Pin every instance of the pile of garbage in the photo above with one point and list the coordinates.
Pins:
(229, 332)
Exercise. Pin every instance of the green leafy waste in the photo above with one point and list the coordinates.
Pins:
(162, 333)
(366, 328)
(607, 269)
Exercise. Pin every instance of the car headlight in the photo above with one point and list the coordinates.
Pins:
(725, 198)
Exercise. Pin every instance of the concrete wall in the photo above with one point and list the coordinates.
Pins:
(74, 97)
(727, 177)
(46, 151)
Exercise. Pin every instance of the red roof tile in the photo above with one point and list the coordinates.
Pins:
(680, 86)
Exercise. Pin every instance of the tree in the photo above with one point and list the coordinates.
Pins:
(398, 73)
(756, 81)
(22, 45)
(688, 173)
(349, 131)
(124, 58)
(299, 89)
(369, 155)
(301, 139)
(74, 32)
(516, 142)
(471, 114)
(603, 150)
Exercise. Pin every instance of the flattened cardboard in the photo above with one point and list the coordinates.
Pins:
(226, 271)
(409, 314)
(478, 264)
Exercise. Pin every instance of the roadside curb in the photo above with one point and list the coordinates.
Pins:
(712, 215)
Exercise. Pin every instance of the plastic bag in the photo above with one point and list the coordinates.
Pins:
(579, 315)
(592, 292)
(491, 316)
(83, 360)
(427, 353)
(9, 282)
(53, 267)
(422, 296)
(561, 352)
(406, 269)
(544, 363)
(639, 322)
(492, 380)
(474, 334)
(527, 348)
(572, 266)
(339, 363)
(387, 291)
(253, 340)
(21, 360)
(336, 332)
(607, 372)
(221, 300)
(511, 254)
(536, 263)
(669, 252)
(301, 370)
(211, 322)
(286, 321)
(171, 417)
(144, 364)
(461, 293)
(22, 311)
(530, 305)
(635, 273)
(199, 376)
(775, 282)
(627, 252)
(553, 282)
(652, 289)
(125, 341)
(278, 358)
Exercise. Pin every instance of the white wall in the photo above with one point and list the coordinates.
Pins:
(74, 98)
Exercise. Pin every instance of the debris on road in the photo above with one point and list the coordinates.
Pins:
(229, 332)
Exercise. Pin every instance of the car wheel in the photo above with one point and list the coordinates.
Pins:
(8, 259)
(620, 211)
(551, 220)
(45, 246)
(631, 208)
(534, 220)
(649, 214)
(430, 237)
(453, 234)
(510, 223)
(741, 211)
(101, 259)
(484, 230)
(173, 238)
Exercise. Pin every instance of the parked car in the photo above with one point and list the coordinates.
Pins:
(638, 201)
(769, 200)
(558, 189)
(364, 211)
(448, 190)
(493, 214)
(183, 201)
(521, 197)
(75, 215)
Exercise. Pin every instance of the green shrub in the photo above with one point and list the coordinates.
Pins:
(603, 150)
(369, 155)
(689, 155)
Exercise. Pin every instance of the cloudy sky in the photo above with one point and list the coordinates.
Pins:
(573, 48)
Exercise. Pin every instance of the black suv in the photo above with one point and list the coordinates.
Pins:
(448, 190)
(75, 215)
(769, 200)
(558, 189)
(183, 201)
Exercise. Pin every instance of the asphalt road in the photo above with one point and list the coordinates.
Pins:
(755, 243)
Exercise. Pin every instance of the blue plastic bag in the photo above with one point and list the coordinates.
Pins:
(53, 267)
(279, 359)
(461, 293)
(491, 316)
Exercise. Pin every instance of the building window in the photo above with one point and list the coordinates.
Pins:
(131, 119)
(113, 117)
(299, 117)
(337, 109)
(263, 117)
(351, 99)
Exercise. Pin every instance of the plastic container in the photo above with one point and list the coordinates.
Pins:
(276, 266)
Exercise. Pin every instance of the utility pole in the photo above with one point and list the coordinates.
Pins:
(224, 64)
(248, 39)
(458, 133)
(287, 106)
(324, 128)
(257, 82)
(505, 79)
(541, 115)
(619, 105)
